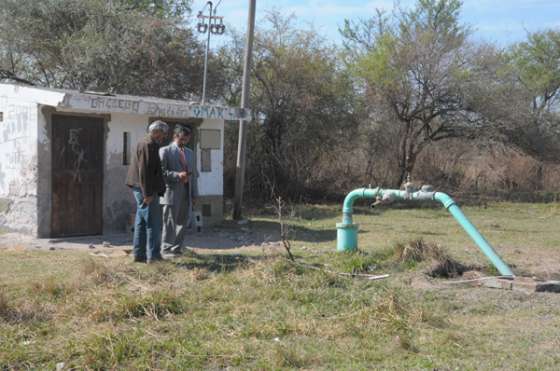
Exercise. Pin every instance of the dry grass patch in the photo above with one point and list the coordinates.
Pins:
(155, 305)
(442, 264)
(23, 311)
(98, 272)
(240, 309)
(53, 288)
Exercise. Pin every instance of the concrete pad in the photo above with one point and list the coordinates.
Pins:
(524, 284)
(497, 283)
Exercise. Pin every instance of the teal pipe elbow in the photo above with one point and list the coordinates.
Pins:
(347, 231)
(473, 233)
(358, 194)
(347, 206)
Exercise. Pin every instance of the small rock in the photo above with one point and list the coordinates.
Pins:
(276, 339)
(60, 366)
(52, 248)
(91, 246)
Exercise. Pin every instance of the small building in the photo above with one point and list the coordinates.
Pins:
(64, 156)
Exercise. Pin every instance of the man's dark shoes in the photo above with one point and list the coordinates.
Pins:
(154, 260)
(139, 260)
(172, 254)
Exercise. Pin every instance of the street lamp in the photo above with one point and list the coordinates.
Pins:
(209, 24)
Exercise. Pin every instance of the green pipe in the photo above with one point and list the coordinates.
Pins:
(474, 234)
(353, 196)
(347, 231)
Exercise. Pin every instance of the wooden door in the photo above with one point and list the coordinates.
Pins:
(77, 176)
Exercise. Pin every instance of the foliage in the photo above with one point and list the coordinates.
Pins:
(415, 68)
(304, 101)
(536, 61)
(408, 92)
(122, 46)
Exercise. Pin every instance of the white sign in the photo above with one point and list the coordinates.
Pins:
(155, 108)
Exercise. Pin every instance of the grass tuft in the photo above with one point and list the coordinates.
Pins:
(97, 272)
(108, 350)
(25, 311)
(154, 305)
(416, 251)
(442, 265)
(52, 288)
(5, 308)
(393, 313)
(288, 357)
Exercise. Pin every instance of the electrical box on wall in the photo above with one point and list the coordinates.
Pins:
(210, 139)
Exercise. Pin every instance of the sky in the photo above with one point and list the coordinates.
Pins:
(499, 21)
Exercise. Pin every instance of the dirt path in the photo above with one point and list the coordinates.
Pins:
(216, 240)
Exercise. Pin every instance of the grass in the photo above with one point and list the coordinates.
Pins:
(257, 310)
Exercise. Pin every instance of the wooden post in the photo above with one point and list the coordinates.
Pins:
(241, 144)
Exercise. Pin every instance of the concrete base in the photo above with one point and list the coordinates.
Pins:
(524, 284)
(211, 208)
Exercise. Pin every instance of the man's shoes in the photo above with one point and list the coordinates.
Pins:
(172, 254)
(154, 260)
(139, 260)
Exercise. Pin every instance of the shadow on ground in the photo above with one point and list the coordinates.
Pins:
(218, 263)
(256, 233)
(228, 235)
(114, 240)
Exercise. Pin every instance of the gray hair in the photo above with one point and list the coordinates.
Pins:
(158, 125)
(182, 130)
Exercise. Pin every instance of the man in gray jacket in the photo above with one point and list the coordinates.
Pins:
(180, 175)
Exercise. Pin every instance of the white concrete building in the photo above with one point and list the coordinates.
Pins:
(64, 157)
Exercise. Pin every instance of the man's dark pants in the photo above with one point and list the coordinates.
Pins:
(147, 228)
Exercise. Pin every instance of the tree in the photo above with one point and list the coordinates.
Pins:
(125, 46)
(519, 92)
(537, 62)
(304, 104)
(414, 67)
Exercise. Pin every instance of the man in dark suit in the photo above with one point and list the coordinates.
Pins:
(145, 178)
(179, 171)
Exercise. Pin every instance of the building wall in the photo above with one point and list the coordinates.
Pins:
(44, 159)
(25, 163)
(211, 184)
(18, 164)
(117, 200)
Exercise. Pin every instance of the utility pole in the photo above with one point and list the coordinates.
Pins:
(242, 141)
(204, 79)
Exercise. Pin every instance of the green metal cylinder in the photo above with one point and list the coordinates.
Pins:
(346, 237)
